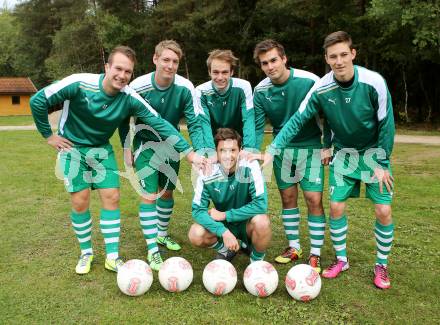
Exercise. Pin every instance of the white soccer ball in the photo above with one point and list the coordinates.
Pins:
(134, 277)
(260, 278)
(303, 282)
(175, 274)
(219, 277)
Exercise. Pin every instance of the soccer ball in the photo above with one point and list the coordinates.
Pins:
(219, 277)
(303, 282)
(260, 279)
(175, 274)
(134, 277)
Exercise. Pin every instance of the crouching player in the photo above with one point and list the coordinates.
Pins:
(238, 193)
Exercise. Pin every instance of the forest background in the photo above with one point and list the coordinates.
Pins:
(50, 39)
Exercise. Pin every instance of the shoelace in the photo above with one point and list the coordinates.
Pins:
(335, 264)
(118, 263)
(156, 258)
(84, 259)
(168, 239)
(383, 274)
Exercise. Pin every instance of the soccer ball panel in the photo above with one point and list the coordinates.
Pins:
(134, 277)
(303, 283)
(176, 274)
(219, 277)
(260, 279)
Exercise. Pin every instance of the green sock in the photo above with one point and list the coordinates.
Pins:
(338, 234)
(291, 226)
(316, 232)
(384, 240)
(82, 225)
(148, 220)
(110, 225)
(255, 255)
(164, 210)
(219, 247)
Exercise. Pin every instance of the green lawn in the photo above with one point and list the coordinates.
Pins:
(16, 120)
(39, 252)
(418, 129)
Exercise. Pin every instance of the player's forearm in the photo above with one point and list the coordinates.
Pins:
(249, 130)
(39, 107)
(327, 135)
(256, 206)
(260, 120)
(124, 130)
(202, 217)
(208, 140)
(386, 139)
(195, 132)
(289, 131)
(167, 133)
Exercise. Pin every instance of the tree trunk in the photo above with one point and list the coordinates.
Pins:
(428, 102)
(186, 68)
(406, 96)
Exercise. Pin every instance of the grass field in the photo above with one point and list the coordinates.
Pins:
(39, 252)
(16, 120)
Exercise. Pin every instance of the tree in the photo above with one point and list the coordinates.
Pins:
(8, 39)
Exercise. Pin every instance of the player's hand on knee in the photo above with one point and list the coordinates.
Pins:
(383, 176)
(230, 241)
(59, 143)
(326, 154)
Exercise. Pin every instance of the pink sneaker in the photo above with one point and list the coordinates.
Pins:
(381, 278)
(333, 270)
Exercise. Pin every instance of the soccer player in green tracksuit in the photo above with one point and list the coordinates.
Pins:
(172, 97)
(94, 106)
(238, 193)
(357, 106)
(278, 97)
(226, 102)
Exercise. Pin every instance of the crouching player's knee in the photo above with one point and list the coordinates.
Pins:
(260, 229)
(196, 235)
(261, 224)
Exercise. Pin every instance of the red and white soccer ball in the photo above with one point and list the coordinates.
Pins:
(260, 278)
(219, 277)
(134, 277)
(303, 282)
(175, 274)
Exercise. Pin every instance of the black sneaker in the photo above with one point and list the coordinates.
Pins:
(228, 257)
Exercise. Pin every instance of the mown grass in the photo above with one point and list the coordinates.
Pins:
(16, 120)
(39, 251)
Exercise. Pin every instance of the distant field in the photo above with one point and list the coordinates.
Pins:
(39, 251)
(16, 120)
(414, 130)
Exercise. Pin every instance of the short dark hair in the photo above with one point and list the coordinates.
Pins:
(266, 46)
(227, 134)
(337, 37)
(127, 51)
(223, 55)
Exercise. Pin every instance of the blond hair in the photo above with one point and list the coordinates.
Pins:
(168, 45)
(223, 55)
